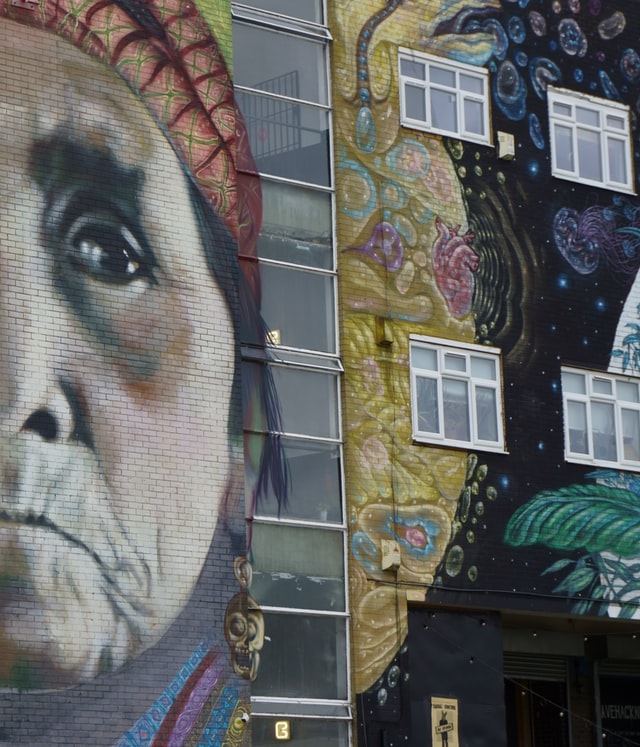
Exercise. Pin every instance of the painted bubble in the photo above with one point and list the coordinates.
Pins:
(393, 195)
(556, 6)
(382, 696)
(610, 27)
(578, 75)
(465, 505)
(581, 251)
(471, 537)
(472, 573)
(365, 131)
(493, 28)
(521, 59)
(543, 72)
(454, 561)
(571, 37)
(516, 30)
(472, 463)
(538, 23)
(535, 131)
(393, 677)
(608, 87)
(510, 91)
(595, 6)
(456, 149)
(630, 65)
(409, 160)
(574, 6)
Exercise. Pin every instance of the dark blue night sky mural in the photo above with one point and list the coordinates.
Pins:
(558, 261)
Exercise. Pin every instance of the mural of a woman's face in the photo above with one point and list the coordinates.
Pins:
(116, 368)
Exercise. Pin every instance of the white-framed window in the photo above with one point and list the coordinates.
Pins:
(456, 394)
(601, 418)
(445, 97)
(590, 140)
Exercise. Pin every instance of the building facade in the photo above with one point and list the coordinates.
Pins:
(320, 421)
(485, 163)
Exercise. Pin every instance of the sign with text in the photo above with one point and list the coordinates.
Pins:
(620, 710)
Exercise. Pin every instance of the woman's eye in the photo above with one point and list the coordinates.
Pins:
(105, 249)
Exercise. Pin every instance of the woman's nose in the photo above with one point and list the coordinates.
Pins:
(33, 398)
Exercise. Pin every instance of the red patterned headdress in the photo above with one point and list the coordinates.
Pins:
(164, 50)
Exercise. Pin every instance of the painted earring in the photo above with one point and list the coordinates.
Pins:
(244, 625)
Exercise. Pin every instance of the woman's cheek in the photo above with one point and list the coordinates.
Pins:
(151, 338)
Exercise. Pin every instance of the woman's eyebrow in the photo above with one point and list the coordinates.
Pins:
(64, 161)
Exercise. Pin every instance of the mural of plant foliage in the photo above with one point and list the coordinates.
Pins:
(599, 526)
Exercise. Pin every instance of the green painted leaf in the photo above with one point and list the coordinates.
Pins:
(629, 590)
(576, 581)
(557, 566)
(596, 518)
(628, 611)
(581, 608)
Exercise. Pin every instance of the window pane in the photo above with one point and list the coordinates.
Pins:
(590, 155)
(574, 382)
(563, 148)
(298, 307)
(603, 429)
(487, 414)
(562, 110)
(307, 10)
(615, 123)
(427, 393)
(473, 117)
(305, 732)
(442, 76)
(443, 111)
(314, 483)
(296, 225)
(456, 409)
(304, 657)
(602, 386)
(577, 416)
(279, 63)
(426, 358)
(308, 401)
(471, 83)
(287, 139)
(415, 103)
(297, 567)
(453, 362)
(631, 434)
(483, 368)
(588, 116)
(413, 69)
(617, 160)
(627, 391)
